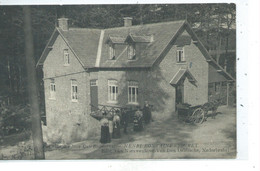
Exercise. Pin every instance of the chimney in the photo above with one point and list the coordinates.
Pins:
(128, 21)
(63, 24)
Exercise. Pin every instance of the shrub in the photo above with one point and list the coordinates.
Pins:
(14, 119)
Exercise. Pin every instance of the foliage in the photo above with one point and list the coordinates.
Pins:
(14, 119)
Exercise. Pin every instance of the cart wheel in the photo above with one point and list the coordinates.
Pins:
(198, 116)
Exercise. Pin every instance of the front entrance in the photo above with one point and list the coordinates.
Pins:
(179, 93)
(94, 94)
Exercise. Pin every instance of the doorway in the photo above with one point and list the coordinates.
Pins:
(94, 94)
(180, 93)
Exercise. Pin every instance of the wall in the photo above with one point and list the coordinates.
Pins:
(154, 84)
(197, 65)
(67, 121)
(214, 76)
(149, 88)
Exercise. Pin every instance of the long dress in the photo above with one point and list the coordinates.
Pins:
(124, 120)
(138, 121)
(116, 127)
(105, 136)
(147, 113)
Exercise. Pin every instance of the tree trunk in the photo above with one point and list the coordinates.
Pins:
(32, 86)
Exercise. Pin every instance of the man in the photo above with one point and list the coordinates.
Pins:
(147, 112)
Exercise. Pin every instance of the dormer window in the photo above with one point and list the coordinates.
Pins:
(180, 54)
(66, 58)
(112, 52)
(131, 52)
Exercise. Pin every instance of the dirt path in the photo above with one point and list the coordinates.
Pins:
(215, 138)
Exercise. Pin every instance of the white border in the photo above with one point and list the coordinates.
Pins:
(248, 96)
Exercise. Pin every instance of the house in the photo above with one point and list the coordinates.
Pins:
(164, 63)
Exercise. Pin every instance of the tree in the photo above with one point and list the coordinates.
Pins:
(32, 86)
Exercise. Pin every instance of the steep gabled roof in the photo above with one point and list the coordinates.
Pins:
(181, 74)
(82, 42)
(162, 34)
(206, 54)
(89, 45)
(116, 39)
(139, 38)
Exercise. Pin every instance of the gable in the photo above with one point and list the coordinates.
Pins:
(54, 65)
(48, 47)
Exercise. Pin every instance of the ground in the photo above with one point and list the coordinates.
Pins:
(170, 139)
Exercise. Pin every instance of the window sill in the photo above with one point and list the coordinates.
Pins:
(181, 63)
(133, 103)
(75, 101)
(130, 60)
(112, 102)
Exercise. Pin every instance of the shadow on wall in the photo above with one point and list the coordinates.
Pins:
(150, 88)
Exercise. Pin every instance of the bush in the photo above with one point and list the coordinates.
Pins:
(14, 119)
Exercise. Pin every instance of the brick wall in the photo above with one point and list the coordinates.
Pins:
(70, 121)
(198, 67)
(67, 121)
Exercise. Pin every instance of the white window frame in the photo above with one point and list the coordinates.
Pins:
(112, 52)
(112, 86)
(74, 91)
(131, 52)
(182, 57)
(93, 82)
(66, 57)
(52, 90)
(133, 98)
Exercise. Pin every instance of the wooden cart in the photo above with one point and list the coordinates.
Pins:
(199, 113)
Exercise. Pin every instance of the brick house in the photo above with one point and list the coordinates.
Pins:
(164, 63)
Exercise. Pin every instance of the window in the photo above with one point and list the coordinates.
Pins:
(66, 58)
(112, 53)
(217, 87)
(74, 91)
(52, 90)
(132, 92)
(112, 90)
(131, 52)
(93, 82)
(180, 55)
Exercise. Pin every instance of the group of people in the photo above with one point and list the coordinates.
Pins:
(110, 126)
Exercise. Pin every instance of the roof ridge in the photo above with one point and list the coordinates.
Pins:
(148, 24)
(121, 27)
(76, 28)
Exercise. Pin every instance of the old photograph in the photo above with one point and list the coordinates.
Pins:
(137, 81)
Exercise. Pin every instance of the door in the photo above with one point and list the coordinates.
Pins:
(179, 93)
(94, 94)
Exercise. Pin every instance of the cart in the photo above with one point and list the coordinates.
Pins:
(199, 113)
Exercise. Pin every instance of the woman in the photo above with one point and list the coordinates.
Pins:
(105, 136)
(138, 120)
(116, 126)
(147, 112)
